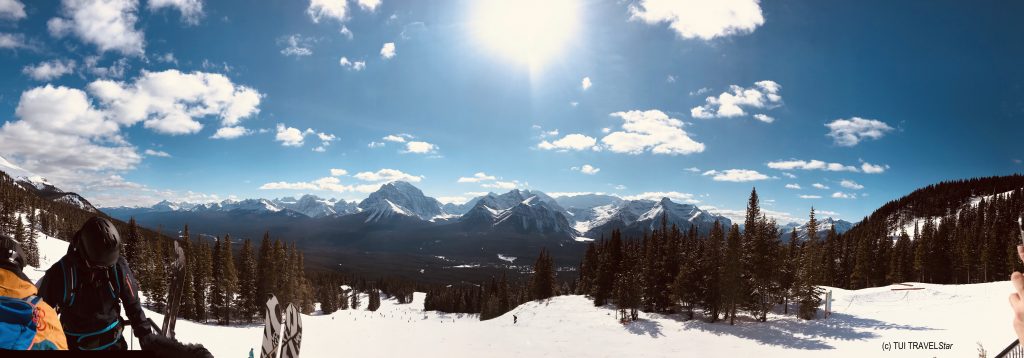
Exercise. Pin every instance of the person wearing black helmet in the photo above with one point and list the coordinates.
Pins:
(89, 285)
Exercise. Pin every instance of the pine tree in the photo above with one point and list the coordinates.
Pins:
(790, 263)
(610, 257)
(629, 282)
(203, 277)
(31, 245)
(543, 277)
(284, 276)
(355, 299)
(248, 305)
(266, 270)
(712, 269)
(188, 299)
(732, 282)
(374, 303)
(158, 279)
(808, 294)
(133, 242)
(225, 281)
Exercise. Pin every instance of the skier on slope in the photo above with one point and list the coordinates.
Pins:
(89, 285)
(16, 291)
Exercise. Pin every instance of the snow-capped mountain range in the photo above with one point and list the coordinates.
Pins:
(523, 211)
(824, 224)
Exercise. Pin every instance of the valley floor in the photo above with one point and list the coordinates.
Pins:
(570, 326)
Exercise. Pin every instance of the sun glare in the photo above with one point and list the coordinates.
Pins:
(527, 31)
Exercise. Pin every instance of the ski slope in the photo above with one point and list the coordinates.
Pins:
(570, 326)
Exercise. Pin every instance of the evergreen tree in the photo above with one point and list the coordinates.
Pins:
(248, 305)
(133, 243)
(225, 281)
(188, 299)
(283, 288)
(355, 299)
(808, 294)
(790, 263)
(158, 279)
(712, 269)
(201, 280)
(374, 303)
(543, 277)
(610, 257)
(266, 270)
(732, 282)
(629, 285)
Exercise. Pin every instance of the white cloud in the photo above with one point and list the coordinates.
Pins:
(657, 195)
(109, 24)
(569, 142)
(764, 118)
(291, 137)
(167, 58)
(693, 169)
(156, 153)
(49, 70)
(373, 145)
(670, 79)
(810, 196)
(653, 131)
(230, 132)
(620, 187)
(296, 45)
(849, 132)
(397, 138)
(338, 172)
(789, 175)
(793, 186)
(116, 69)
(61, 136)
(325, 141)
(12, 10)
(387, 175)
(872, 168)
(328, 9)
(820, 186)
(842, 195)
(387, 51)
(346, 32)
(369, 5)
(810, 165)
(585, 84)
(453, 199)
(764, 94)
(504, 185)
(12, 41)
(587, 169)
(736, 175)
(476, 178)
(191, 10)
(354, 66)
(706, 20)
(419, 147)
(170, 101)
(850, 184)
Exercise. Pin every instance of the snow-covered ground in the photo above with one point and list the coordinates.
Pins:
(570, 326)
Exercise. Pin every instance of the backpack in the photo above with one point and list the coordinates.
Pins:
(18, 322)
(104, 337)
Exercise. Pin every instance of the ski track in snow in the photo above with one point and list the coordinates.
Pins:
(570, 326)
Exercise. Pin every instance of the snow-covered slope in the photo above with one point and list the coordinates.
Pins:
(400, 198)
(824, 225)
(570, 326)
(519, 211)
(637, 216)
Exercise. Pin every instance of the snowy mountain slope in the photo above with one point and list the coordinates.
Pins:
(43, 188)
(518, 211)
(401, 198)
(824, 225)
(637, 216)
(587, 201)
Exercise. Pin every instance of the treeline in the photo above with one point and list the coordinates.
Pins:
(954, 242)
(723, 274)
(498, 296)
(338, 292)
(217, 286)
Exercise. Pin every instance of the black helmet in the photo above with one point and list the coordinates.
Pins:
(99, 242)
(11, 256)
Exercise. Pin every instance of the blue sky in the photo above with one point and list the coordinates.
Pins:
(122, 100)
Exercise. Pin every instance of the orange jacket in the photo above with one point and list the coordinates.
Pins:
(48, 326)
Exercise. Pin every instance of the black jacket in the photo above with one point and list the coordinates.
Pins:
(89, 299)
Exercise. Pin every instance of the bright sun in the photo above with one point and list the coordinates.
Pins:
(529, 31)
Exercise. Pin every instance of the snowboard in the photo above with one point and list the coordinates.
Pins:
(292, 333)
(271, 329)
(177, 275)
